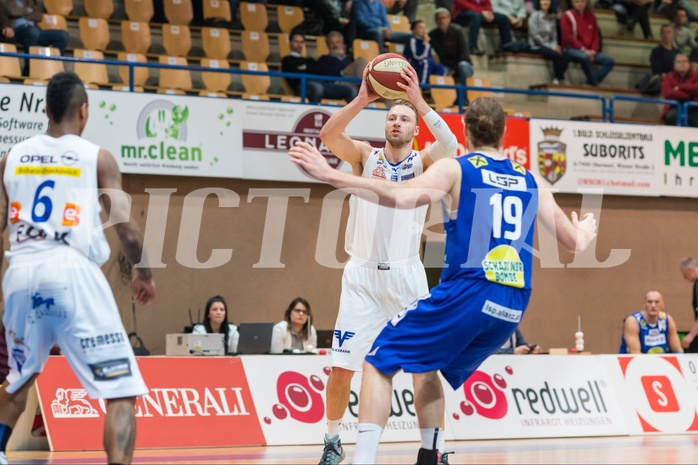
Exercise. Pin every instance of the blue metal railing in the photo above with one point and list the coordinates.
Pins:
(607, 104)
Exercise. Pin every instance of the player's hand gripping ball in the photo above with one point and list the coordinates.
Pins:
(384, 72)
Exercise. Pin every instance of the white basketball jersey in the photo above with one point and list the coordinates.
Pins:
(381, 234)
(51, 186)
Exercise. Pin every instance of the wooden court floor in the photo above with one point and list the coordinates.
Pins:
(641, 450)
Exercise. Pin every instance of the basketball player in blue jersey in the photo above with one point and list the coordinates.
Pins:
(54, 290)
(651, 330)
(384, 272)
(490, 205)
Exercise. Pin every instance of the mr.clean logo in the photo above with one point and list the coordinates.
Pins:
(660, 394)
(300, 397)
(484, 395)
(662, 399)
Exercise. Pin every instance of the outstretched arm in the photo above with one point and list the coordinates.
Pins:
(435, 184)
(446, 143)
(574, 234)
(109, 177)
(333, 135)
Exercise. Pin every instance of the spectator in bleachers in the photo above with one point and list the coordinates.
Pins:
(681, 84)
(628, 14)
(683, 36)
(473, 13)
(515, 10)
(8, 34)
(451, 46)
(418, 53)
(661, 62)
(581, 42)
(372, 23)
(668, 8)
(335, 16)
(406, 7)
(24, 16)
(315, 90)
(542, 37)
(338, 62)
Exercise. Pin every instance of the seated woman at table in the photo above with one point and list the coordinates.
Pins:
(216, 321)
(295, 333)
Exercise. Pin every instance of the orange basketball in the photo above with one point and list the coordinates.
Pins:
(384, 72)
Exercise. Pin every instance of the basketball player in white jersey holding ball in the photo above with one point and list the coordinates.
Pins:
(54, 290)
(384, 273)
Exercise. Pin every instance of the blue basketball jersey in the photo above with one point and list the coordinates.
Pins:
(654, 338)
(492, 236)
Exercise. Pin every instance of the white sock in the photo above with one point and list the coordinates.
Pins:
(367, 442)
(442, 443)
(432, 438)
(333, 427)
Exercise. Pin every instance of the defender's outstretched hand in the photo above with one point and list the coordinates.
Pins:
(311, 160)
(586, 229)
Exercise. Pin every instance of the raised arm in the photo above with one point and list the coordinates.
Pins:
(333, 135)
(573, 234)
(109, 177)
(442, 179)
(446, 143)
(631, 334)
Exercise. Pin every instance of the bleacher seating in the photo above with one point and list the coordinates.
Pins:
(121, 28)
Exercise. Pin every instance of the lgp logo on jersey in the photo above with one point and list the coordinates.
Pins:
(662, 399)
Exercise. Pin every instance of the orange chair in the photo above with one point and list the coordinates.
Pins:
(289, 17)
(139, 10)
(253, 16)
(53, 22)
(216, 42)
(140, 73)
(178, 11)
(365, 48)
(99, 8)
(91, 73)
(176, 39)
(255, 46)
(135, 36)
(216, 82)
(477, 82)
(217, 10)
(94, 33)
(174, 78)
(9, 66)
(58, 7)
(255, 84)
(443, 98)
(44, 69)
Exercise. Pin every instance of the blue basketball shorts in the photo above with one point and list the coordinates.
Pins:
(453, 330)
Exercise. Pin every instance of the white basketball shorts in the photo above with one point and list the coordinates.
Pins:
(61, 297)
(370, 298)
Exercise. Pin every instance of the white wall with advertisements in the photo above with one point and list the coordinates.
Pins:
(200, 136)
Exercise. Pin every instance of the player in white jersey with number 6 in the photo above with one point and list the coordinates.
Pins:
(54, 290)
(384, 273)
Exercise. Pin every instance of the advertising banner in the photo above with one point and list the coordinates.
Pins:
(289, 394)
(269, 130)
(621, 159)
(658, 392)
(679, 158)
(535, 396)
(516, 137)
(193, 402)
(168, 134)
(21, 114)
